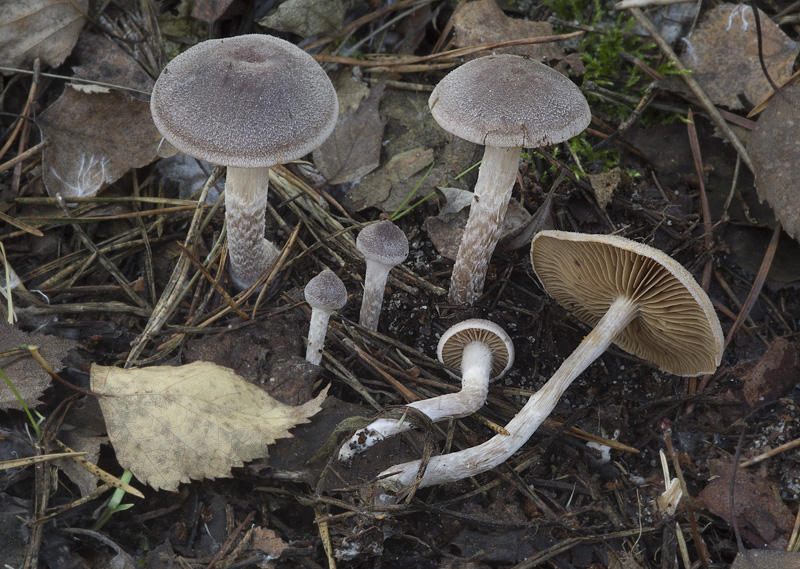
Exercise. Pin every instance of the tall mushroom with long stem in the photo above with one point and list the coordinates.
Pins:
(505, 102)
(249, 103)
(481, 350)
(635, 296)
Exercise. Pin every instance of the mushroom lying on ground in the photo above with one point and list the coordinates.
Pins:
(481, 350)
(384, 246)
(325, 293)
(505, 102)
(635, 296)
(249, 103)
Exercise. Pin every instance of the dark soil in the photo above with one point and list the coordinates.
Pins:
(556, 503)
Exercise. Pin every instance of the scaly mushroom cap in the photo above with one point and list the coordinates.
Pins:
(451, 344)
(507, 101)
(249, 101)
(383, 242)
(326, 291)
(676, 327)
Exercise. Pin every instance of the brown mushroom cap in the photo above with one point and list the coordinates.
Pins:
(249, 101)
(326, 291)
(675, 328)
(508, 101)
(453, 341)
(383, 242)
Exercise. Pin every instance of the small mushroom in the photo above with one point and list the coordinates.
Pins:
(325, 294)
(505, 102)
(635, 296)
(384, 245)
(481, 350)
(249, 103)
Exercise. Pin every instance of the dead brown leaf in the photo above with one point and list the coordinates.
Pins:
(307, 18)
(762, 516)
(173, 424)
(723, 53)
(97, 136)
(210, 11)
(83, 432)
(28, 376)
(772, 558)
(484, 22)
(774, 147)
(446, 229)
(100, 59)
(47, 29)
(775, 374)
(354, 148)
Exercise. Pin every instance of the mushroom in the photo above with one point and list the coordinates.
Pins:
(249, 103)
(481, 349)
(505, 102)
(384, 245)
(635, 296)
(325, 293)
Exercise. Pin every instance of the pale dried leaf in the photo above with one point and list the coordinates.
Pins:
(172, 424)
(723, 53)
(774, 148)
(353, 149)
(47, 29)
(96, 138)
(24, 372)
(484, 22)
(307, 18)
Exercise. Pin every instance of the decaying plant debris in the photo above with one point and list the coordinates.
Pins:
(136, 276)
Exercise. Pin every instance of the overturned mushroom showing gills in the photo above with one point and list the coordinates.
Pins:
(384, 246)
(249, 103)
(325, 293)
(481, 350)
(507, 103)
(635, 296)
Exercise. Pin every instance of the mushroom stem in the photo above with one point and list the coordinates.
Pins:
(372, 301)
(245, 205)
(317, 330)
(496, 178)
(476, 368)
(469, 462)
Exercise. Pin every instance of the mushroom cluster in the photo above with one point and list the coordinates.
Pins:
(634, 295)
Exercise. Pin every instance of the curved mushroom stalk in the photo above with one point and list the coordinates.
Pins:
(245, 214)
(496, 178)
(481, 349)
(474, 389)
(634, 295)
(486, 456)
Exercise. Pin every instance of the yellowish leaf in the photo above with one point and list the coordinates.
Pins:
(172, 424)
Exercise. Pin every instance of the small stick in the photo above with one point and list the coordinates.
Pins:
(225, 296)
(22, 156)
(694, 143)
(770, 453)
